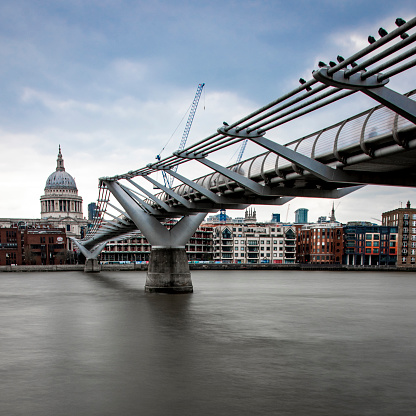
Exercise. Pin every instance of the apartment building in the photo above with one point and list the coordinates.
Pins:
(320, 243)
(136, 248)
(368, 244)
(405, 221)
(254, 243)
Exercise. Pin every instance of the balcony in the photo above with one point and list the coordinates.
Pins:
(253, 249)
(227, 249)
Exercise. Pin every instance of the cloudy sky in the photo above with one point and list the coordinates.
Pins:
(110, 81)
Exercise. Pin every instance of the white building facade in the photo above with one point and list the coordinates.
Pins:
(254, 243)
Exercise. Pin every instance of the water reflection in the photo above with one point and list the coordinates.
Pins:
(244, 343)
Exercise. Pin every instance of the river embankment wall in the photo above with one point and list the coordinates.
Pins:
(210, 266)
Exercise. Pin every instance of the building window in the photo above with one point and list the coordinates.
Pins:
(368, 250)
(68, 227)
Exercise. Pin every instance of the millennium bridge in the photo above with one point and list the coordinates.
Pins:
(377, 146)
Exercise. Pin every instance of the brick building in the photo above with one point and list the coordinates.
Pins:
(10, 246)
(320, 243)
(405, 221)
(37, 246)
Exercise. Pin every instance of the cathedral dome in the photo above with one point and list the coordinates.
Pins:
(60, 179)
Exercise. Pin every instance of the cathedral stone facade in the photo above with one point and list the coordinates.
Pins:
(61, 206)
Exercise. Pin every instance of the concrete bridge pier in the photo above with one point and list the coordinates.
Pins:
(92, 265)
(168, 270)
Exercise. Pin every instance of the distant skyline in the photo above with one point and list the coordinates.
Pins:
(110, 81)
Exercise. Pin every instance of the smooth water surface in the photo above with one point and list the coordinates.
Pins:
(244, 343)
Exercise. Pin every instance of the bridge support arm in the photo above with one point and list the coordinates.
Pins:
(244, 182)
(91, 256)
(170, 192)
(316, 168)
(399, 103)
(217, 199)
(374, 87)
(154, 231)
(168, 269)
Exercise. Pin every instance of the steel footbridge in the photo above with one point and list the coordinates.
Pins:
(377, 146)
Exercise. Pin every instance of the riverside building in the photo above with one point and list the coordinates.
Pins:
(21, 245)
(254, 243)
(320, 243)
(367, 244)
(405, 221)
(136, 248)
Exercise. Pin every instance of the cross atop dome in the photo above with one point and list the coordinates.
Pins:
(60, 161)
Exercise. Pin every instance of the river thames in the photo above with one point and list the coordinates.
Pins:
(244, 343)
